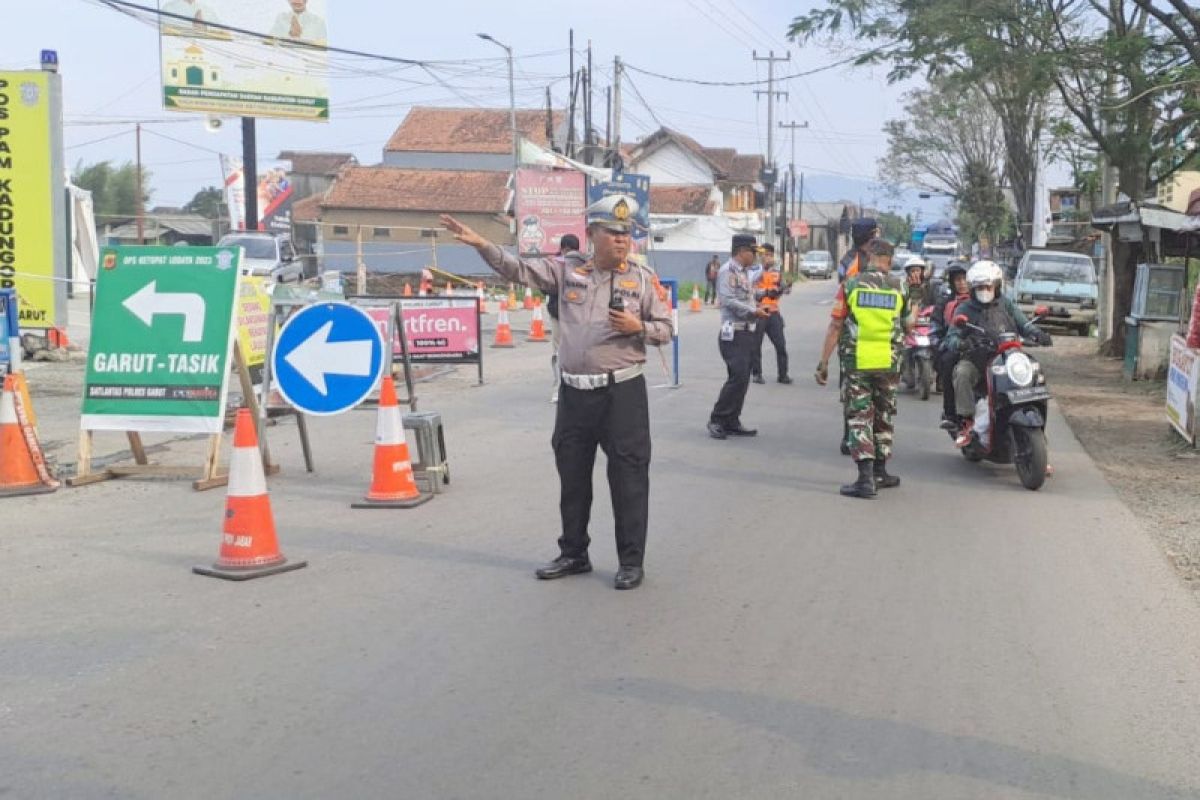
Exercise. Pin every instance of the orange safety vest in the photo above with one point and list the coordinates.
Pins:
(767, 281)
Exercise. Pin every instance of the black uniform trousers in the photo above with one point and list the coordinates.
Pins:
(946, 360)
(771, 327)
(738, 354)
(617, 418)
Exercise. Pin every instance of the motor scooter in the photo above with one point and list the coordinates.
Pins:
(1010, 417)
(916, 363)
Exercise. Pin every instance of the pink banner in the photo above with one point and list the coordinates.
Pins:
(550, 204)
(443, 330)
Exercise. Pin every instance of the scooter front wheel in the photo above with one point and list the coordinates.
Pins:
(1029, 456)
(924, 377)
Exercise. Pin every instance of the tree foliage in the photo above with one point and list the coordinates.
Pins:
(982, 210)
(206, 202)
(945, 131)
(113, 188)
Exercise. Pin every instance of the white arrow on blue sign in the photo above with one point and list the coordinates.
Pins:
(328, 358)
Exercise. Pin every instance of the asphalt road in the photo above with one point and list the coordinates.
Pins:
(958, 637)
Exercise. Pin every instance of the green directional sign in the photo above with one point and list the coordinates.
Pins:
(162, 330)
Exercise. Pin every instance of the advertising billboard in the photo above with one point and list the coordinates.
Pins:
(275, 194)
(550, 204)
(32, 200)
(212, 64)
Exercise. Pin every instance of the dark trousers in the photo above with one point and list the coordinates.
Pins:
(945, 367)
(771, 327)
(617, 418)
(738, 354)
(710, 290)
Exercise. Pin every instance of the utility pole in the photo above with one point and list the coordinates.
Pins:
(570, 147)
(792, 127)
(512, 103)
(141, 204)
(770, 174)
(250, 173)
(588, 119)
(616, 115)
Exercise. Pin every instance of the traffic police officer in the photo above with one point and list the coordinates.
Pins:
(768, 286)
(609, 311)
(740, 315)
(867, 325)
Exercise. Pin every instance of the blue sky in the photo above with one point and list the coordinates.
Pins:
(110, 67)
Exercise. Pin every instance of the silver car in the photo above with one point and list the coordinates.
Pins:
(817, 263)
(267, 255)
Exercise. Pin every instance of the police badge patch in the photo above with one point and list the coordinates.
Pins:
(30, 93)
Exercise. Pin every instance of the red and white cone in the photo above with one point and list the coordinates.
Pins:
(393, 484)
(249, 546)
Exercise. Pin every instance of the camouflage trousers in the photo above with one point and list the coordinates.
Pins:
(870, 403)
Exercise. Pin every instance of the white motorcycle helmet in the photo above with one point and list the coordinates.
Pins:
(986, 280)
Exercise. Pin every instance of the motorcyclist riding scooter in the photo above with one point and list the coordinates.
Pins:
(953, 292)
(989, 310)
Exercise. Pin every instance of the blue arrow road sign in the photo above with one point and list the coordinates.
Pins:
(328, 358)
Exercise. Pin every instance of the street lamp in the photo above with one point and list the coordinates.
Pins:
(512, 102)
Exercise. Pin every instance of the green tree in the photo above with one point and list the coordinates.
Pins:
(206, 202)
(113, 188)
(982, 210)
(945, 130)
(897, 228)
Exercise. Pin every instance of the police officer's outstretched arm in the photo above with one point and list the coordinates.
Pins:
(540, 272)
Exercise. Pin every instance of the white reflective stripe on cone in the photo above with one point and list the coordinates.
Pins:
(246, 477)
(389, 428)
(8, 410)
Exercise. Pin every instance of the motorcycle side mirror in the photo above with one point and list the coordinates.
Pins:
(1041, 311)
(960, 321)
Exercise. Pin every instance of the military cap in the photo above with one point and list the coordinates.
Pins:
(614, 212)
(741, 240)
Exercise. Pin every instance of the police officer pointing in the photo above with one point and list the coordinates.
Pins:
(740, 315)
(609, 311)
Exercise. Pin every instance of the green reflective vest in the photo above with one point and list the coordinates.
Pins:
(875, 312)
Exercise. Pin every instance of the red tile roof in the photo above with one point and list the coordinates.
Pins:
(397, 189)
(745, 169)
(680, 200)
(307, 210)
(468, 130)
(307, 162)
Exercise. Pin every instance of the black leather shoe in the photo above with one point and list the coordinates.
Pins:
(883, 478)
(740, 431)
(563, 566)
(715, 430)
(758, 379)
(628, 578)
(784, 379)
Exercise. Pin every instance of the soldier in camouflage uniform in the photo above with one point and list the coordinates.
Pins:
(867, 326)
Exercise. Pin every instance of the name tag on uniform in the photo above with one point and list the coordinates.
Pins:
(870, 299)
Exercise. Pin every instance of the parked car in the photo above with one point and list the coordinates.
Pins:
(1064, 283)
(267, 255)
(817, 263)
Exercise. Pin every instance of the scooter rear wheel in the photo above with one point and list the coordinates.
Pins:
(1029, 456)
(924, 377)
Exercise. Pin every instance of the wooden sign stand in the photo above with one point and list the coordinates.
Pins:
(211, 476)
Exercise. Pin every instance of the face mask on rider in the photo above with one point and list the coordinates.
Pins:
(985, 296)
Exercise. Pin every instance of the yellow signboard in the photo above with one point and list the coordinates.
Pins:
(31, 195)
(253, 315)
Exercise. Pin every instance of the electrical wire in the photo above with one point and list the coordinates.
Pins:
(734, 84)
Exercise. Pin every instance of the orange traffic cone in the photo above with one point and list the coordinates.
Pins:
(479, 295)
(537, 328)
(512, 297)
(23, 469)
(504, 337)
(393, 484)
(408, 289)
(249, 548)
(695, 305)
(528, 306)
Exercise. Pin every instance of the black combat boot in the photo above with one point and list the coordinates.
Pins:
(884, 480)
(864, 487)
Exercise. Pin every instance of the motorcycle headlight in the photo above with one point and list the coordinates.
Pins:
(1019, 368)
